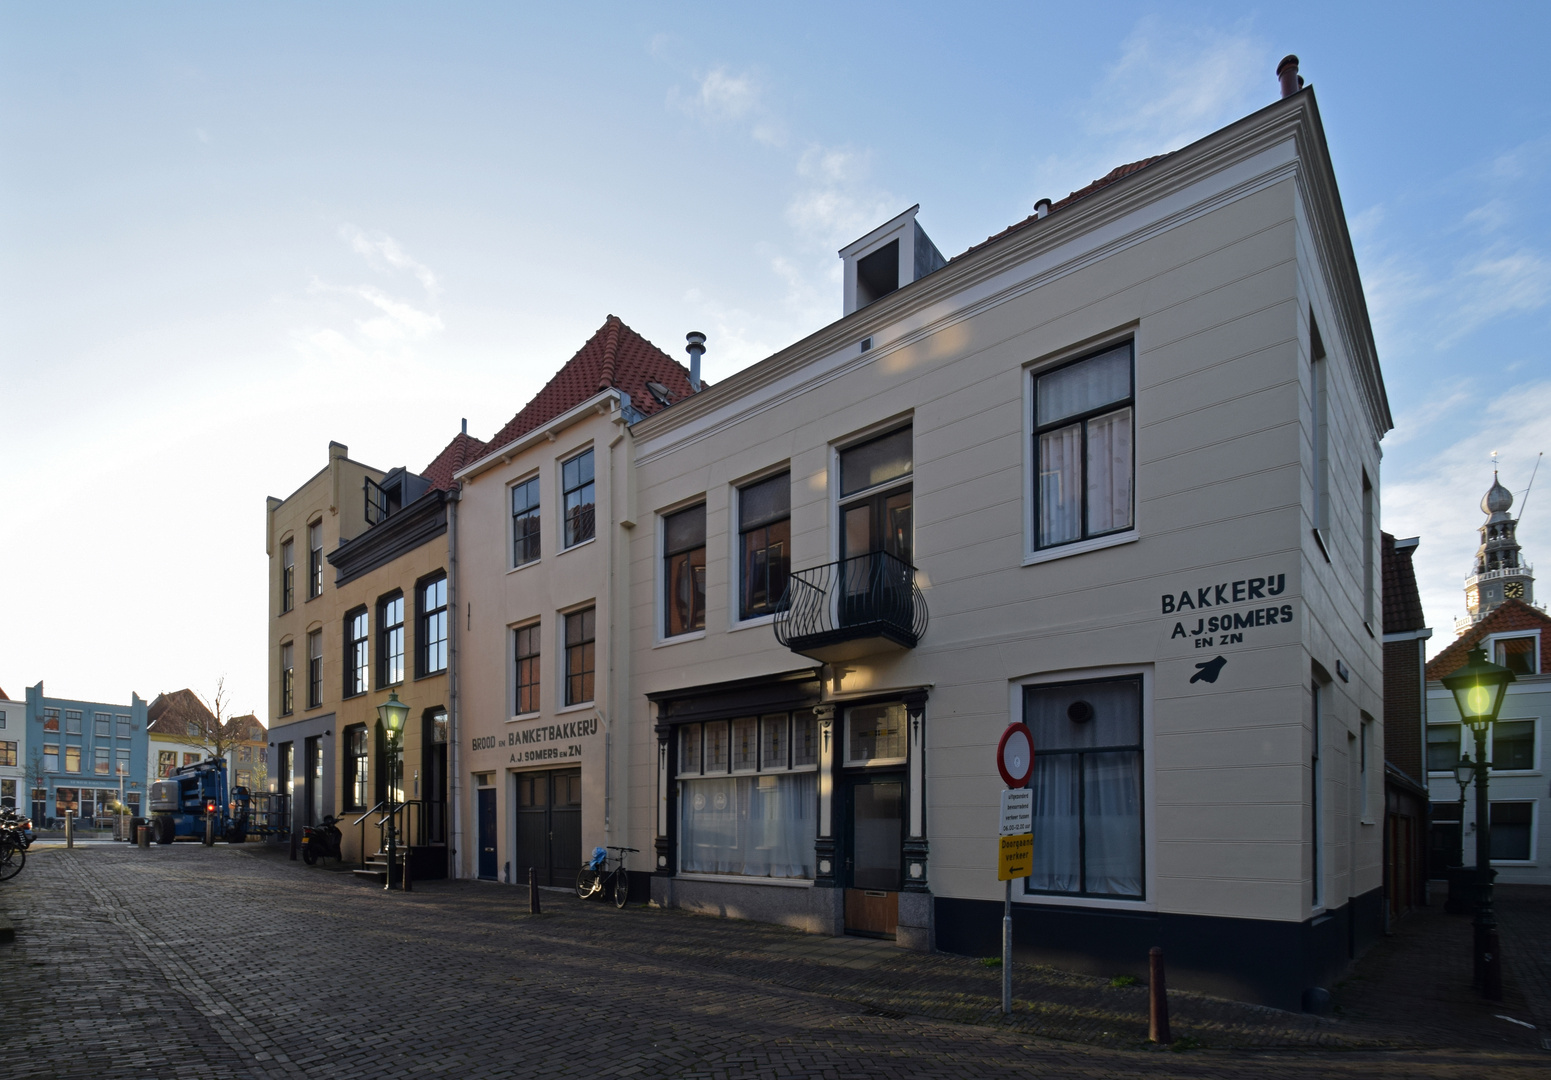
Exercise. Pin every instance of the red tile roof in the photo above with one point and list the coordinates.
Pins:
(246, 729)
(179, 714)
(1118, 173)
(1512, 615)
(616, 356)
(1402, 601)
(463, 449)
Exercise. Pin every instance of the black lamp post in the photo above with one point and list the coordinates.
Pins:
(393, 713)
(1478, 690)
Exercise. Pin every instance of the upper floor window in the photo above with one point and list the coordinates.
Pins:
(581, 631)
(1083, 433)
(1443, 747)
(1513, 745)
(764, 544)
(525, 640)
(72, 721)
(875, 510)
(314, 559)
(287, 576)
(684, 570)
(357, 662)
(121, 723)
(577, 486)
(102, 725)
(1518, 654)
(525, 521)
(390, 640)
(314, 669)
(433, 626)
(50, 757)
(287, 679)
(50, 719)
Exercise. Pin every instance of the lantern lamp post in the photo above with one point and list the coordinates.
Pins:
(393, 714)
(1478, 690)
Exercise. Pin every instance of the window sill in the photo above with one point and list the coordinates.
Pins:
(749, 624)
(1081, 547)
(528, 564)
(1057, 900)
(743, 879)
(429, 675)
(525, 716)
(693, 635)
(1517, 864)
(573, 547)
(578, 707)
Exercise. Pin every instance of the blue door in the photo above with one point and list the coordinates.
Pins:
(487, 833)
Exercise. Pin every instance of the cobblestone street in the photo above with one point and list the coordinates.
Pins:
(235, 962)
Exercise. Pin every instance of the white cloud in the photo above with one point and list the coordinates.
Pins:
(1496, 284)
(731, 96)
(383, 253)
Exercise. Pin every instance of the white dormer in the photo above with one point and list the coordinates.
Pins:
(888, 258)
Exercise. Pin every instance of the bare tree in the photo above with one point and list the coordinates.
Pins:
(206, 721)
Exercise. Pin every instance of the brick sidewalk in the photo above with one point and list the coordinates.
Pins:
(127, 964)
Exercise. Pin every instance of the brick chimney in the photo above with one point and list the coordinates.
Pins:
(1287, 72)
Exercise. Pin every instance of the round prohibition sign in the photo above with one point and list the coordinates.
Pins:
(1015, 755)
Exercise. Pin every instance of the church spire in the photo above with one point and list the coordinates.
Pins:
(1499, 572)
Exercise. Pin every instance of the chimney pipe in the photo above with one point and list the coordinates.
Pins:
(1042, 208)
(1287, 72)
(465, 425)
(696, 349)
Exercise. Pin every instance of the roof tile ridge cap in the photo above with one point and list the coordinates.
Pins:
(610, 352)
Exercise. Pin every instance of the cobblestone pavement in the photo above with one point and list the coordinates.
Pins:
(234, 962)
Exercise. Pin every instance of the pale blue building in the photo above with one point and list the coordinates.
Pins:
(84, 756)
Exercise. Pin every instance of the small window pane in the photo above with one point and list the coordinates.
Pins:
(1511, 827)
(716, 747)
(876, 462)
(745, 744)
(773, 741)
(1060, 493)
(684, 530)
(1517, 655)
(805, 741)
(1513, 745)
(764, 502)
(1109, 472)
(1089, 715)
(875, 733)
(1082, 387)
(1442, 747)
(689, 750)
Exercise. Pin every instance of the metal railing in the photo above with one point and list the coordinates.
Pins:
(417, 823)
(873, 595)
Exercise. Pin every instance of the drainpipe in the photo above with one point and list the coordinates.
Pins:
(454, 767)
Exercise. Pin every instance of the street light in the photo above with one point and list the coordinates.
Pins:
(393, 713)
(1478, 690)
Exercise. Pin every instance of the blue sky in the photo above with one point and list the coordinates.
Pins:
(233, 233)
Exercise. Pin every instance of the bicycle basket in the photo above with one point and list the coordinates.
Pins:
(599, 857)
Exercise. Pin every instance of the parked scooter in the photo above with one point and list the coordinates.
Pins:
(23, 825)
(321, 841)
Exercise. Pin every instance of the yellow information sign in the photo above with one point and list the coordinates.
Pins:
(1017, 857)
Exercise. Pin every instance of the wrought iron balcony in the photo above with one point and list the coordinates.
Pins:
(852, 608)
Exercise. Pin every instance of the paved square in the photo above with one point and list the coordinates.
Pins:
(234, 962)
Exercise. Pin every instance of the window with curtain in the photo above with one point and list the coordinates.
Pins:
(526, 648)
(749, 797)
(683, 542)
(1087, 788)
(525, 522)
(764, 545)
(1083, 435)
(576, 482)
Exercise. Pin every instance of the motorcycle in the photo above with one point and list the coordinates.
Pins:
(321, 841)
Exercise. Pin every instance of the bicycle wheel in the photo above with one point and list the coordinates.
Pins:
(621, 888)
(12, 858)
(586, 882)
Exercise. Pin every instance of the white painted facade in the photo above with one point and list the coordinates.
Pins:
(13, 755)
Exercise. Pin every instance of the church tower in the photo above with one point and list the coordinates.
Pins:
(1500, 574)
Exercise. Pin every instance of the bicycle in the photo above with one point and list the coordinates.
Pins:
(13, 853)
(596, 877)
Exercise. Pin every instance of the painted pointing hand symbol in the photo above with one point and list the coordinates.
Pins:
(1209, 671)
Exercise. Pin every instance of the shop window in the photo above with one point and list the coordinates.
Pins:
(67, 800)
(1087, 788)
(191, 758)
(1443, 748)
(1518, 654)
(1512, 831)
(757, 821)
(764, 545)
(875, 734)
(684, 571)
(166, 761)
(8, 794)
(1083, 435)
(1513, 745)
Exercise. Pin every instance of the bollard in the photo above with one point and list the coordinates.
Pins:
(69, 828)
(1492, 968)
(405, 877)
(1157, 999)
(143, 837)
(533, 891)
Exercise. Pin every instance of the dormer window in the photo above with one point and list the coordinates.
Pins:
(887, 259)
(1518, 654)
(382, 501)
(877, 274)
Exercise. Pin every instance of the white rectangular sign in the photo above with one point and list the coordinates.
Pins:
(1017, 811)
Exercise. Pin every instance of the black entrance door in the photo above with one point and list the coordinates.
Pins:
(487, 860)
(549, 826)
(874, 858)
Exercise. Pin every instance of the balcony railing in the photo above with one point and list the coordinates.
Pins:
(852, 608)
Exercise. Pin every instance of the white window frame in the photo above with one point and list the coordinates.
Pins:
(561, 461)
(511, 666)
(534, 473)
(1032, 553)
(1534, 831)
(856, 438)
(1489, 643)
(735, 620)
(1491, 747)
(660, 638)
(1149, 902)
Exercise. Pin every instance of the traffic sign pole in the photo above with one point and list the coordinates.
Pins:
(1015, 761)
(1007, 951)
